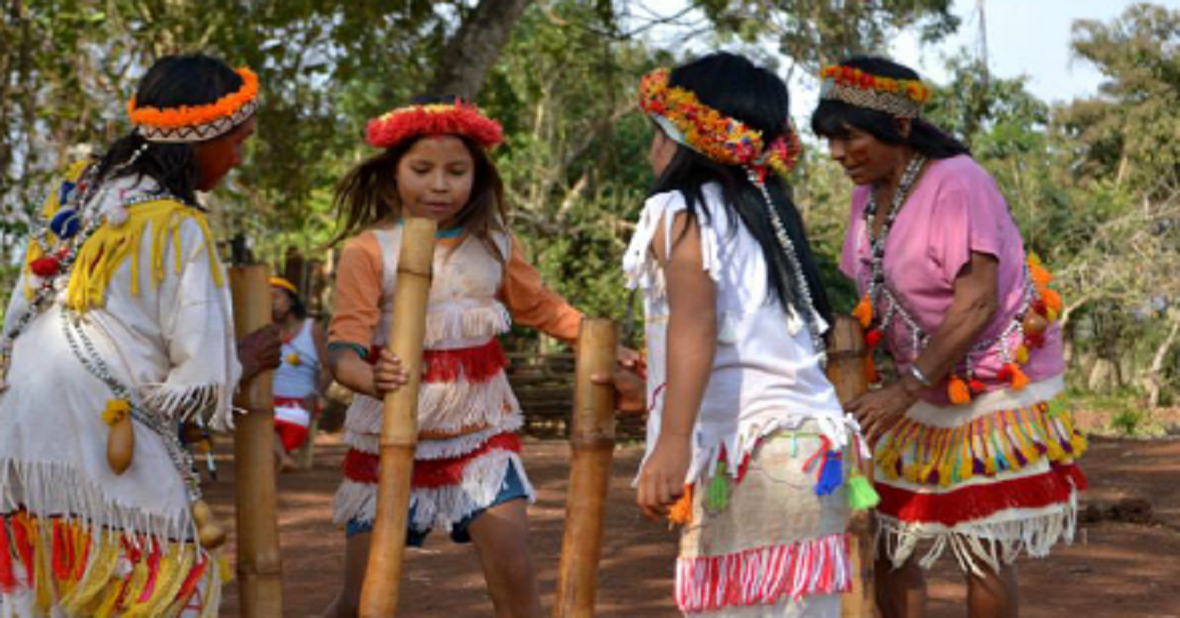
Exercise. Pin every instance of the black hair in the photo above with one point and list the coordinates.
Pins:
(173, 81)
(735, 87)
(833, 119)
(298, 308)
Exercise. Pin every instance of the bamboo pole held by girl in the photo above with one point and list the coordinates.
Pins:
(256, 512)
(399, 426)
(592, 440)
(847, 354)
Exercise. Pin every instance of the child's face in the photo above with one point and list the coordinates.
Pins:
(434, 178)
(661, 153)
(216, 157)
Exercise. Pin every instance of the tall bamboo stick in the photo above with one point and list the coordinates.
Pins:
(846, 369)
(399, 427)
(259, 561)
(592, 440)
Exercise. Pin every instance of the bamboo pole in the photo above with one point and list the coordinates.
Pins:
(592, 440)
(259, 560)
(847, 354)
(399, 426)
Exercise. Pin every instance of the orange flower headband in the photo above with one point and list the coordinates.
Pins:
(460, 118)
(721, 138)
(900, 97)
(185, 124)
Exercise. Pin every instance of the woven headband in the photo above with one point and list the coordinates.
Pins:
(199, 123)
(902, 98)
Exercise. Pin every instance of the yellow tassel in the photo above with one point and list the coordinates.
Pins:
(681, 512)
(864, 312)
(1021, 355)
(100, 570)
(1051, 314)
(106, 609)
(959, 391)
(169, 578)
(139, 580)
(226, 569)
(116, 410)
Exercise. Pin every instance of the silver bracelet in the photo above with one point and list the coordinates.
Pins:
(917, 373)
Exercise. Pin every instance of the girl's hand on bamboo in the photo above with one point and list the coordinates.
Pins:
(661, 481)
(388, 374)
(629, 381)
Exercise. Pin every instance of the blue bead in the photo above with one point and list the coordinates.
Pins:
(65, 223)
(63, 194)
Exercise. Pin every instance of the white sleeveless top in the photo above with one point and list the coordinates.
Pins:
(298, 380)
(766, 372)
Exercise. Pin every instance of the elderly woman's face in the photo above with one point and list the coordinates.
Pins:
(864, 158)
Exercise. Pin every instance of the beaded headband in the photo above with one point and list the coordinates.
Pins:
(705, 130)
(460, 118)
(199, 123)
(902, 98)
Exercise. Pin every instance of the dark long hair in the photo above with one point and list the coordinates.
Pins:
(735, 87)
(835, 118)
(368, 195)
(173, 81)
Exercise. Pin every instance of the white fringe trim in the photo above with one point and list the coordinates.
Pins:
(445, 322)
(437, 507)
(840, 431)
(996, 542)
(212, 402)
(444, 406)
(53, 489)
(438, 449)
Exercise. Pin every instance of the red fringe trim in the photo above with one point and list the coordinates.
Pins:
(361, 467)
(7, 573)
(763, 575)
(191, 582)
(982, 501)
(476, 364)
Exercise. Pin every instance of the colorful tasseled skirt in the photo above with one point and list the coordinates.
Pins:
(989, 480)
(56, 566)
(467, 418)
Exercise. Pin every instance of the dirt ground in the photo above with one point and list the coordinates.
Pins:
(1125, 562)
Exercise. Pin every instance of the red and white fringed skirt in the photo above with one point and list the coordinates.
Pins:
(467, 416)
(57, 566)
(988, 480)
(764, 543)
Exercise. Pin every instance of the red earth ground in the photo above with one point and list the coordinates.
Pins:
(1125, 561)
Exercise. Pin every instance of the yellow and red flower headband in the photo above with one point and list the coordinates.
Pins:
(279, 282)
(902, 98)
(185, 124)
(723, 139)
(458, 118)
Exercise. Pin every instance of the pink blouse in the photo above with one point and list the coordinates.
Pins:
(955, 209)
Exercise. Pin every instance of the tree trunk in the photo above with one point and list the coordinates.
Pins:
(474, 48)
(1155, 374)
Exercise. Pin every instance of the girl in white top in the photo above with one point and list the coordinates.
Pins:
(745, 435)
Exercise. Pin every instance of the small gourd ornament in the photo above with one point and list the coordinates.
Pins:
(211, 534)
(121, 439)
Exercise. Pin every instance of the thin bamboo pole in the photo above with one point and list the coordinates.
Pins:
(259, 561)
(847, 354)
(592, 441)
(399, 427)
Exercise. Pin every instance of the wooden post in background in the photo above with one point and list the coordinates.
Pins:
(256, 496)
(847, 354)
(399, 426)
(592, 442)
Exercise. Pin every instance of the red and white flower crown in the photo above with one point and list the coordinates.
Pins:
(458, 118)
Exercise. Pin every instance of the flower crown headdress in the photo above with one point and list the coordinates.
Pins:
(198, 123)
(458, 118)
(902, 98)
(725, 140)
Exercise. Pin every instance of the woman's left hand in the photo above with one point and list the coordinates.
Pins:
(880, 411)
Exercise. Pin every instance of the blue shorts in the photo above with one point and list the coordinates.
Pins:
(511, 489)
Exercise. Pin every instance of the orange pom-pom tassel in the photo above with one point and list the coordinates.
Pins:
(1019, 379)
(959, 391)
(1040, 275)
(864, 312)
(681, 512)
(1052, 300)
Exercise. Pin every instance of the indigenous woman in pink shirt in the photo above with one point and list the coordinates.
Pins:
(973, 452)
